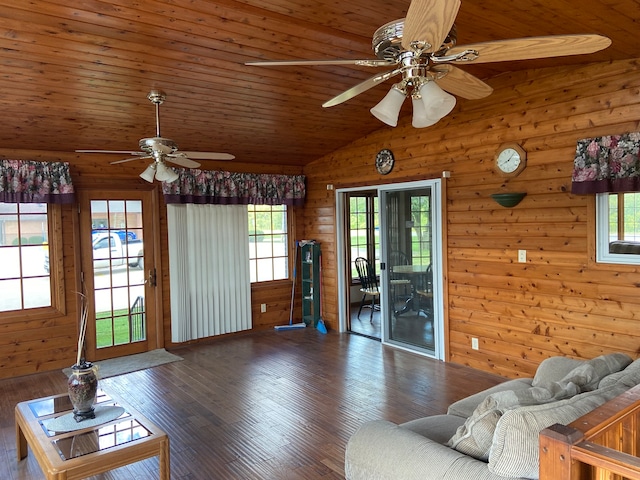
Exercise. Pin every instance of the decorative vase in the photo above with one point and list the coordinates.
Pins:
(83, 387)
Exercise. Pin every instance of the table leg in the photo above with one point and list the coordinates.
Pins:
(21, 442)
(165, 461)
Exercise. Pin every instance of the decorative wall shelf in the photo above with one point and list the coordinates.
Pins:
(508, 199)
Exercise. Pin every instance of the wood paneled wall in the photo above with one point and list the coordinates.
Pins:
(559, 301)
(28, 346)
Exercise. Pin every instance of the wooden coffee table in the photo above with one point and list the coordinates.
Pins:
(89, 450)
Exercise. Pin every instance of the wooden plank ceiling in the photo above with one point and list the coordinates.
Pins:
(75, 75)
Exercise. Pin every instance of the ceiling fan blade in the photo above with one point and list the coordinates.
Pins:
(462, 84)
(374, 62)
(209, 155)
(120, 152)
(361, 87)
(131, 159)
(182, 160)
(429, 21)
(534, 47)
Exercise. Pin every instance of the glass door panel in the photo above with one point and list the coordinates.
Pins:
(116, 281)
(412, 258)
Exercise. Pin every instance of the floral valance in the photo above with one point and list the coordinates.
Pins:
(227, 188)
(26, 181)
(607, 164)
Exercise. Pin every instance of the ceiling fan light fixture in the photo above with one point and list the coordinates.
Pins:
(420, 117)
(149, 173)
(165, 174)
(388, 109)
(437, 102)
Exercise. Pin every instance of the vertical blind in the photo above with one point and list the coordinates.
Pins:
(209, 270)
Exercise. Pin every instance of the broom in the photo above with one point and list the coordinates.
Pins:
(322, 328)
(292, 326)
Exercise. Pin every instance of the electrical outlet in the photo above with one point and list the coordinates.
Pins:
(522, 256)
(474, 343)
(263, 307)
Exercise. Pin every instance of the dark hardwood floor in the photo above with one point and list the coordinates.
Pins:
(271, 405)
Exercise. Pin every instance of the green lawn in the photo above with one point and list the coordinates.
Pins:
(116, 333)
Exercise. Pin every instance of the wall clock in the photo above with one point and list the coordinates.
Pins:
(385, 161)
(510, 159)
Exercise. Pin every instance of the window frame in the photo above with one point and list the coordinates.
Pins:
(56, 274)
(372, 220)
(289, 245)
(603, 255)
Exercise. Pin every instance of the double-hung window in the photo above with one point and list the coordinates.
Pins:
(268, 243)
(30, 256)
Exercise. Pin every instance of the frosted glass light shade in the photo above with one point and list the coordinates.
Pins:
(388, 109)
(437, 102)
(420, 117)
(165, 174)
(149, 173)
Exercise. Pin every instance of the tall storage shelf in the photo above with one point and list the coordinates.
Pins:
(310, 277)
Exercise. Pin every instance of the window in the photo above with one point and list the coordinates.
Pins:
(421, 233)
(618, 228)
(268, 243)
(364, 230)
(29, 257)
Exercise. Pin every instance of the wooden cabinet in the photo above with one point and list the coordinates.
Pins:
(310, 278)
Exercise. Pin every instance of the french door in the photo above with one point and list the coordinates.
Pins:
(118, 274)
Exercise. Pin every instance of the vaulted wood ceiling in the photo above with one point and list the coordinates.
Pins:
(75, 75)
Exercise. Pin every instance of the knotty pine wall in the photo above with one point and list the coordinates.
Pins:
(557, 303)
(28, 345)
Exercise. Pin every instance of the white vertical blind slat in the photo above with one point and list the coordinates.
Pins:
(209, 270)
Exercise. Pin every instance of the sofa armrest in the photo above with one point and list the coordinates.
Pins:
(384, 450)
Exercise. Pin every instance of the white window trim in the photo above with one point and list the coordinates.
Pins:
(602, 236)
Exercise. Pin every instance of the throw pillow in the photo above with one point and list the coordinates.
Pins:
(630, 376)
(475, 436)
(589, 374)
(514, 452)
(554, 369)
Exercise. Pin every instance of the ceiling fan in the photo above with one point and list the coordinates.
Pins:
(162, 150)
(422, 48)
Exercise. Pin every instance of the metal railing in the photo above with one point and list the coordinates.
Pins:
(137, 324)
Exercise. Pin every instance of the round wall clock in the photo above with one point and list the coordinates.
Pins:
(510, 160)
(384, 161)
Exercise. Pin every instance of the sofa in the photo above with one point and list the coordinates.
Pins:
(493, 434)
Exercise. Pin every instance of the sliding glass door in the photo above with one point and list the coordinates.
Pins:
(411, 266)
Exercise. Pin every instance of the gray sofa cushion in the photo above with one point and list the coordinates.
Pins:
(514, 452)
(381, 450)
(589, 375)
(554, 369)
(629, 376)
(475, 437)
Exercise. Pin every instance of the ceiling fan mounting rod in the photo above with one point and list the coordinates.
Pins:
(157, 97)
